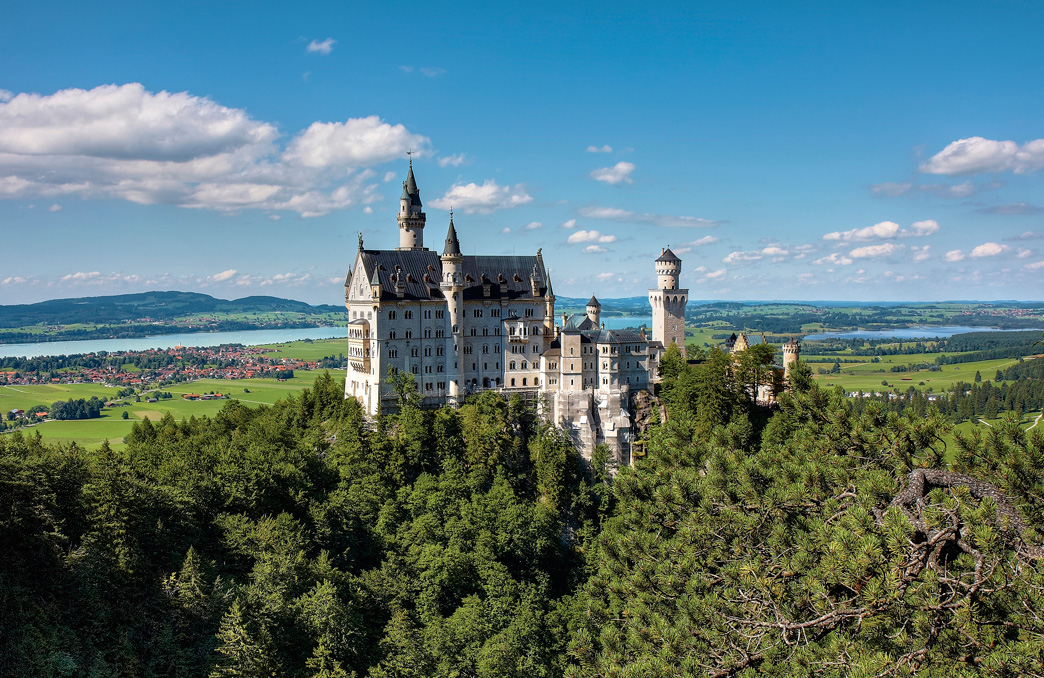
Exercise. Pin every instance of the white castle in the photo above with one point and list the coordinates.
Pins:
(462, 324)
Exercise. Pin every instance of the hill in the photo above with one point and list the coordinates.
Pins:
(150, 306)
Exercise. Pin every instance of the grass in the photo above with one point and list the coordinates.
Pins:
(867, 376)
(111, 426)
(309, 350)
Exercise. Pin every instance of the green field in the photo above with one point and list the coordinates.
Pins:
(112, 427)
(868, 376)
(309, 350)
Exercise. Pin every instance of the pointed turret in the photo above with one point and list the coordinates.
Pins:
(411, 186)
(594, 310)
(452, 247)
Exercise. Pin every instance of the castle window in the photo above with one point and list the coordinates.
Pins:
(523, 381)
(427, 333)
(467, 350)
(529, 313)
(427, 351)
(391, 335)
(477, 313)
(511, 365)
(512, 382)
(438, 350)
(440, 368)
(427, 315)
(494, 313)
(439, 334)
(525, 365)
(414, 369)
(534, 348)
(496, 348)
(392, 353)
(427, 369)
(413, 353)
(407, 315)
(485, 348)
(409, 334)
(485, 331)
(391, 315)
(439, 314)
(472, 331)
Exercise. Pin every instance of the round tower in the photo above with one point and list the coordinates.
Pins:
(668, 270)
(791, 354)
(453, 291)
(594, 310)
(411, 218)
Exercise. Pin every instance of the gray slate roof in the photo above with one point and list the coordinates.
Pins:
(416, 264)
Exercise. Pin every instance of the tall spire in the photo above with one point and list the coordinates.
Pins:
(452, 244)
(411, 185)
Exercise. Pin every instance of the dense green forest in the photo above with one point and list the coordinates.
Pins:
(302, 540)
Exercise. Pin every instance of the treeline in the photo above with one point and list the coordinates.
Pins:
(302, 540)
(967, 401)
(133, 331)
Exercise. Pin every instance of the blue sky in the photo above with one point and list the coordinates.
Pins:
(789, 150)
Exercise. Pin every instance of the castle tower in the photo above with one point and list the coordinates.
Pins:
(668, 302)
(791, 354)
(453, 290)
(594, 310)
(411, 218)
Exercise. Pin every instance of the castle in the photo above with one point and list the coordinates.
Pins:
(462, 324)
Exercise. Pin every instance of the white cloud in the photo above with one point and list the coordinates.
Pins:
(594, 249)
(834, 259)
(885, 230)
(224, 275)
(590, 236)
(620, 172)
(367, 210)
(533, 225)
(431, 71)
(55, 208)
(976, 155)
(18, 280)
(81, 276)
(505, 230)
(605, 276)
(569, 224)
(452, 160)
(324, 47)
(6, 95)
(775, 251)
(926, 227)
(627, 216)
(600, 149)
(353, 143)
(988, 249)
(489, 197)
(1024, 253)
(274, 217)
(389, 176)
(739, 256)
(954, 256)
(690, 246)
(127, 143)
(922, 253)
(713, 275)
(874, 251)
(1035, 266)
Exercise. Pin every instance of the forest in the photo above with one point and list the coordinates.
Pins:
(303, 540)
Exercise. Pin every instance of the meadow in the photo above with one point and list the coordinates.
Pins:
(111, 426)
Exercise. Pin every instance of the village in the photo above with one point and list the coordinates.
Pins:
(157, 367)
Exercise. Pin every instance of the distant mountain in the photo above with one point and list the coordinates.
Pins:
(154, 305)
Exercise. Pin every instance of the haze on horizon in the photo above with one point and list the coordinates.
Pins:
(792, 151)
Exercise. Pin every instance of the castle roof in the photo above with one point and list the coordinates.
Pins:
(668, 255)
(594, 302)
(452, 243)
(476, 271)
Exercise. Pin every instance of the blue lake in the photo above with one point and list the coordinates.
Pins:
(909, 332)
(162, 341)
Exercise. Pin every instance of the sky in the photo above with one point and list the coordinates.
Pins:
(884, 151)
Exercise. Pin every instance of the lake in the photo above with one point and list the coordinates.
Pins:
(910, 332)
(163, 341)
